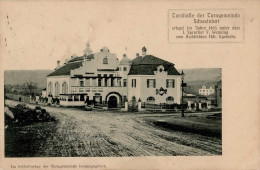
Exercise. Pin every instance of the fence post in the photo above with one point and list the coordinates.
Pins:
(199, 105)
(126, 104)
(139, 104)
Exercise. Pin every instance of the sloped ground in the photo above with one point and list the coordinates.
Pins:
(104, 134)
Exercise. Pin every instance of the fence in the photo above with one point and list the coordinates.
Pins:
(174, 106)
(18, 97)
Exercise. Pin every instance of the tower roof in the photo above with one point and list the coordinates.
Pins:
(125, 60)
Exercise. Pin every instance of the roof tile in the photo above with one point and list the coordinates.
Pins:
(148, 64)
(65, 70)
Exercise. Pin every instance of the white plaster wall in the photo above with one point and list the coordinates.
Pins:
(89, 66)
(124, 74)
(141, 91)
(60, 80)
(134, 91)
(70, 103)
(112, 60)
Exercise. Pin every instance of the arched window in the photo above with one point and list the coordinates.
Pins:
(169, 100)
(49, 89)
(57, 89)
(150, 100)
(105, 61)
(64, 88)
(160, 68)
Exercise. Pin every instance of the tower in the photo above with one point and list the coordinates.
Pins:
(87, 50)
(144, 51)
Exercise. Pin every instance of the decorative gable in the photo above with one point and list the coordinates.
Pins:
(160, 71)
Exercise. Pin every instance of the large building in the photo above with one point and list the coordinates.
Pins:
(206, 91)
(101, 78)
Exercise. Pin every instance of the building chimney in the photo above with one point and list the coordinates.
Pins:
(143, 51)
(58, 63)
(137, 54)
(124, 55)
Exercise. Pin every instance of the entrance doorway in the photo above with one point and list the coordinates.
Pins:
(112, 102)
(97, 99)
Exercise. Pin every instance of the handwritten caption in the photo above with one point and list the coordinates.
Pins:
(192, 26)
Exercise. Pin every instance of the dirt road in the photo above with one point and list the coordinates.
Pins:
(96, 134)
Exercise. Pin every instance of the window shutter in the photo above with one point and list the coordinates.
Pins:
(154, 83)
(173, 83)
(147, 83)
(167, 83)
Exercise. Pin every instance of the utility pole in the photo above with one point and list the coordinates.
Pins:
(216, 94)
(182, 86)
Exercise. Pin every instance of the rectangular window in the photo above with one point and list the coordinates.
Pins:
(125, 82)
(151, 83)
(87, 82)
(119, 82)
(76, 98)
(99, 81)
(99, 75)
(110, 75)
(81, 83)
(125, 68)
(170, 83)
(94, 82)
(105, 82)
(133, 83)
(105, 75)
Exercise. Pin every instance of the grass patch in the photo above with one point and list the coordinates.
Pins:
(209, 125)
(27, 141)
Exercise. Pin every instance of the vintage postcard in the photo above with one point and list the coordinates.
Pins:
(129, 85)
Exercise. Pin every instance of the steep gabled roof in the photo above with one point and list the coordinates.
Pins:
(71, 65)
(65, 70)
(91, 56)
(148, 64)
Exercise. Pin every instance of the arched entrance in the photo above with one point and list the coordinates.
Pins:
(112, 102)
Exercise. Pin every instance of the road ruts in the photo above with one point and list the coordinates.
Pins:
(108, 134)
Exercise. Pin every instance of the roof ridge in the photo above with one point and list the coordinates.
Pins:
(149, 60)
(65, 69)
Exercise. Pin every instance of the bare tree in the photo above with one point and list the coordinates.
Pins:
(30, 88)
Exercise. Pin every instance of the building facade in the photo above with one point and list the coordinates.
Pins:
(206, 91)
(100, 78)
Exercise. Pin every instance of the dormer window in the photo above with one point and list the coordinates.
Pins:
(105, 61)
(160, 68)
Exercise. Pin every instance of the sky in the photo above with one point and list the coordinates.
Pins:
(35, 34)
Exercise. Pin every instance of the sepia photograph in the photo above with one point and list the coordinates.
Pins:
(118, 79)
(97, 105)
